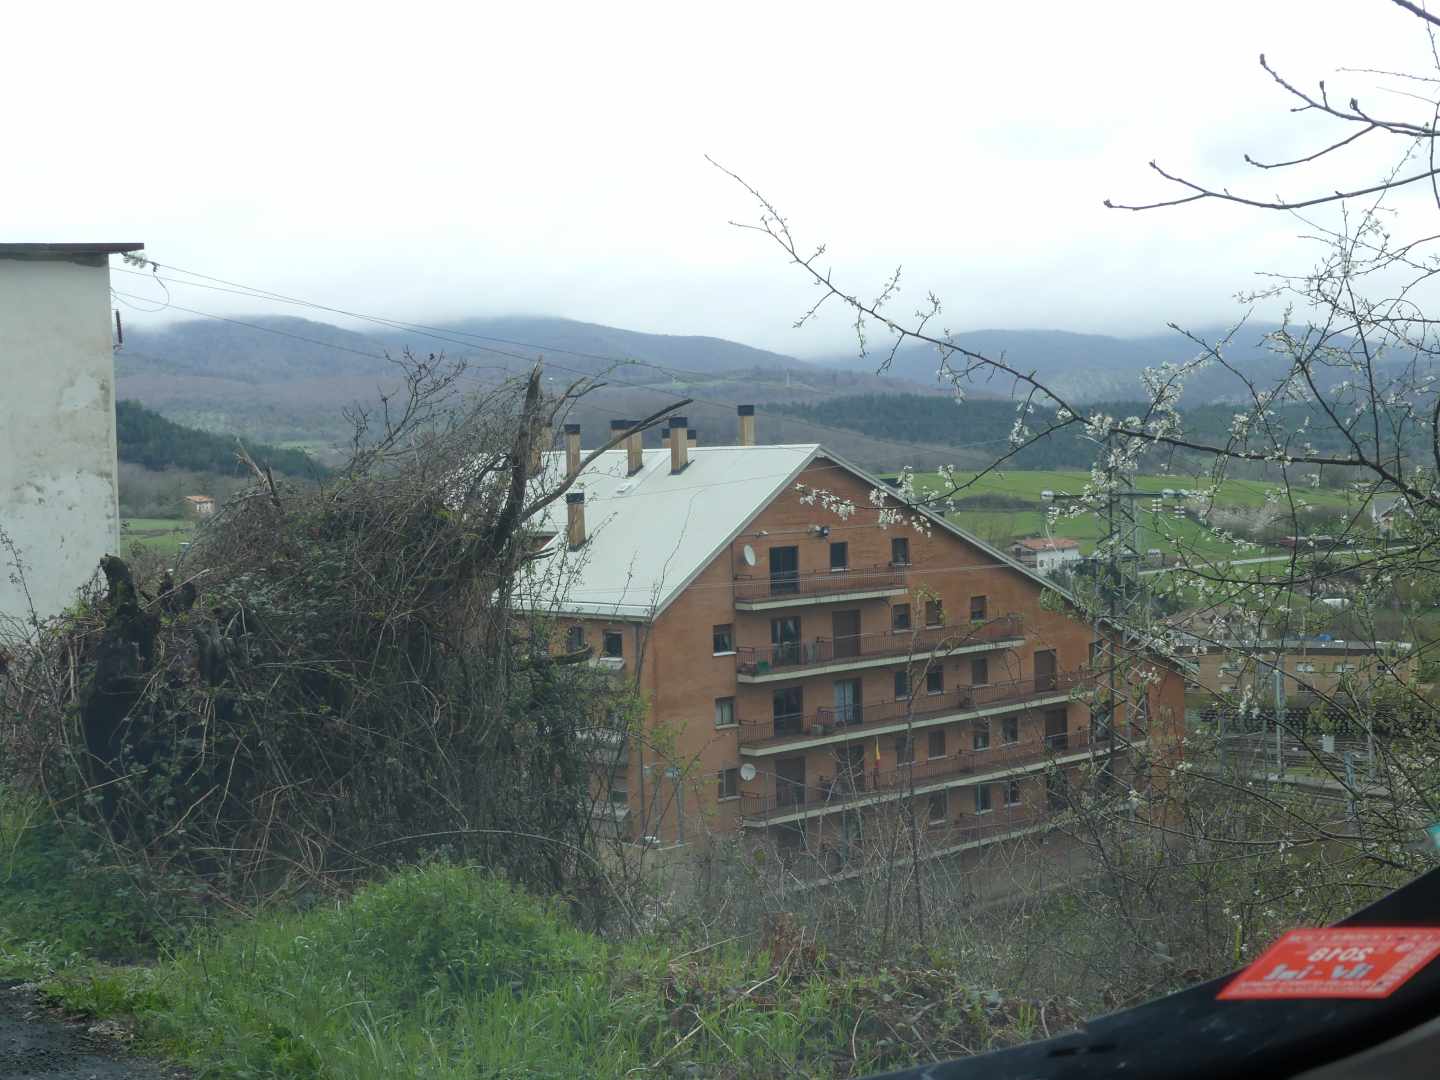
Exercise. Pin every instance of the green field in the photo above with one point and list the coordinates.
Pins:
(1168, 533)
(1166, 529)
(157, 534)
(1030, 483)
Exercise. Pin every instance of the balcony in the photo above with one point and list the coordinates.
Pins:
(829, 725)
(767, 592)
(791, 801)
(817, 656)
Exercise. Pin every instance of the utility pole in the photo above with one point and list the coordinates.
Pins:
(1279, 714)
(1121, 592)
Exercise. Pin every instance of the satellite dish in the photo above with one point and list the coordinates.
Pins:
(747, 772)
(749, 554)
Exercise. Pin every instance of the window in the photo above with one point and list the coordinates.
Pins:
(982, 734)
(788, 710)
(1012, 793)
(935, 680)
(899, 617)
(934, 613)
(1305, 669)
(729, 783)
(937, 743)
(904, 750)
(982, 799)
(1010, 729)
(900, 551)
(575, 638)
(902, 685)
(1344, 669)
(939, 807)
(724, 712)
(723, 639)
(839, 555)
(614, 643)
(979, 670)
(978, 607)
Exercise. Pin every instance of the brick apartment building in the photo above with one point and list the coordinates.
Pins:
(786, 638)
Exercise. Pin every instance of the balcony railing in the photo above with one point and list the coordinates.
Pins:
(751, 588)
(818, 652)
(856, 719)
(849, 786)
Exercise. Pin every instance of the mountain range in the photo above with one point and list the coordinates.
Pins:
(288, 380)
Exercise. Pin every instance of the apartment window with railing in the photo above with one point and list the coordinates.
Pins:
(982, 798)
(934, 613)
(614, 643)
(981, 735)
(839, 555)
(904, 750)
(900, 617)
(722, 639)
(724, 712)
(939, 807)
(978, 607)
(1010, 729)
(729, 783)
(902, 685)
(900, 551)
(937, 743)
(935, 680)
(1012, 793)
(979, 670)
(575, 638)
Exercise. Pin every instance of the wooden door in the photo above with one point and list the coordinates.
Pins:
(790, 781)
(1045, 677)
(846, 632)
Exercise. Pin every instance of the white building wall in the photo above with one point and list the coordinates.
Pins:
(58, 495)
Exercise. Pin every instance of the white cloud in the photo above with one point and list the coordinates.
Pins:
(429, 160)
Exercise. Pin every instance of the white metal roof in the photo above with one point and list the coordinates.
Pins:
(651, 533)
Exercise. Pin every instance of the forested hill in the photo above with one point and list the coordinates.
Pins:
(985, 425)
(147, 438)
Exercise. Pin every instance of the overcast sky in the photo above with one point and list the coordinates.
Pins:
(426, 160)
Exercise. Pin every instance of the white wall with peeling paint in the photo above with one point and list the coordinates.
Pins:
(58, 497)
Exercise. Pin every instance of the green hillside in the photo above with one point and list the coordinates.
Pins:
(147, 438)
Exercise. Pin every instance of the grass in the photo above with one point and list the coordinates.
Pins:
(442, 971)
(1001, 526)
(1028, 484)
(162, 535)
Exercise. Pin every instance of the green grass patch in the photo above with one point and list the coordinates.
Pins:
(1029, 483)
(60, 898)
(161, 535)
(445, 972)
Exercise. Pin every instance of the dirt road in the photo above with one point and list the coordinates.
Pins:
(39, 1043)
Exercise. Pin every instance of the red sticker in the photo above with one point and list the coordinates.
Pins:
(1338, 961)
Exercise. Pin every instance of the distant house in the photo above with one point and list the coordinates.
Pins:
(58, 497)
(1385, 512)
(1046, 554)
(199, 506)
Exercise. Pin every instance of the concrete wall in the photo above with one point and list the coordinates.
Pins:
(58, 496)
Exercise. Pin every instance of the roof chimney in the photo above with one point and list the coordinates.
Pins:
(575, 530)
(634, 450)
(572, 449)
(617, 427)
(692, 437)
(679, 445)
(747, 424)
